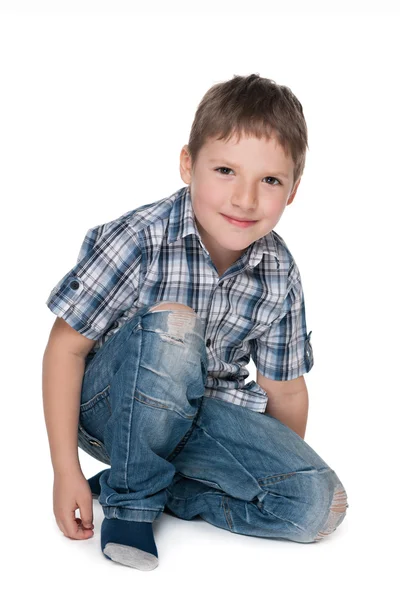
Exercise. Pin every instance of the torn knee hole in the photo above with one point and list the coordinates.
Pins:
(181, 318)
(181, 322)
(336, 512)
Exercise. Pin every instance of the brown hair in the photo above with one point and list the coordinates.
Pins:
(252, 105)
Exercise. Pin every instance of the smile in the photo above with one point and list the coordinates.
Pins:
(237, 222)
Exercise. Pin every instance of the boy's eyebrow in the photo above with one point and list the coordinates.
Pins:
(225, 161)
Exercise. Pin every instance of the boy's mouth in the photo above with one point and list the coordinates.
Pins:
(238, 222)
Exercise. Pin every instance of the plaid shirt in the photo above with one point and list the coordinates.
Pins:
(155, 252)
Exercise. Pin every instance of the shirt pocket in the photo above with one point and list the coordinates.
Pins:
(268, 312)
(231, 337)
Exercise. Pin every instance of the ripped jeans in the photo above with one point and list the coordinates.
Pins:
(169, 448)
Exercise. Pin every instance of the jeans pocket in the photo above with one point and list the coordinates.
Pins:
(93, 417)
(206, 482)
(92, 446)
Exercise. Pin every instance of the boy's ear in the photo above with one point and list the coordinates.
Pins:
(293, 193)
(185, 164)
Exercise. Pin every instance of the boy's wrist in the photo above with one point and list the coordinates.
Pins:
(67, 467)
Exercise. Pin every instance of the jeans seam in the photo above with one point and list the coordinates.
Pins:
(227, 512)
(126, 449)
(179, 447)
(159, 405)
(130, 508)
(94, 399)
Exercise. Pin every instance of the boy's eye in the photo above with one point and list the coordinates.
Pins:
(228, 169)
(277, 180)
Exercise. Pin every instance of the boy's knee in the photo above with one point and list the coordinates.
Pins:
(337, 512)
(182, 318)
(171, 306)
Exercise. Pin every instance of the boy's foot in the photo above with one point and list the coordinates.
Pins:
(129, 543)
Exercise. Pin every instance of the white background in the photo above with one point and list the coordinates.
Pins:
(96, 102)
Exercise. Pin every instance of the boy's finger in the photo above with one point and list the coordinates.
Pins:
(86, 513)
(74, 530)
(86, 526)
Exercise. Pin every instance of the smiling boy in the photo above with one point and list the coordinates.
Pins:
(145, 367)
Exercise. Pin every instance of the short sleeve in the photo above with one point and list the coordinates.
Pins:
(103, 284)
(284, 351)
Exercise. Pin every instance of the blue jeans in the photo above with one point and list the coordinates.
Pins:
(170, 448)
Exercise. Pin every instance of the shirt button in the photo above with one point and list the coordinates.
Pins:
(74, 285)
(208, 343)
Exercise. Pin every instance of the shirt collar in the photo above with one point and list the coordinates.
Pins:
(182, 223)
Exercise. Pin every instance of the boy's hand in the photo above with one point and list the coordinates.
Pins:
(70, 492)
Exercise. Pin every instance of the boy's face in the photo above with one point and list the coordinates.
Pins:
(251, 180)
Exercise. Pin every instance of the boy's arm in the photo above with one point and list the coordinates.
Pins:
(87, 300)
(63, 369)
(287, 401)
(282, 355)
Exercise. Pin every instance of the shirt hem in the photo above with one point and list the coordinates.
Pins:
(67, 315)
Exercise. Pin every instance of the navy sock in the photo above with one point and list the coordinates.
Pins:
(130, 543)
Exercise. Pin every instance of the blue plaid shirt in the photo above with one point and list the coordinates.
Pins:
(155, 252)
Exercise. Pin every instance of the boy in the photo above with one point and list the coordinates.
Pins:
(145, 364)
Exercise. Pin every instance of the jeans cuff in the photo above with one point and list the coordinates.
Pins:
(132, 514)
